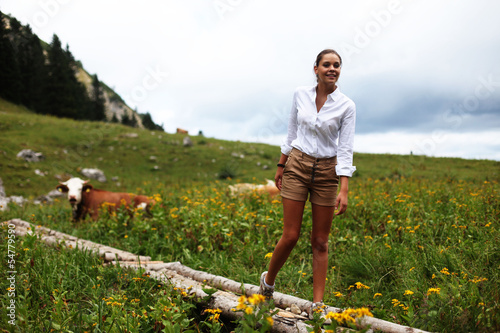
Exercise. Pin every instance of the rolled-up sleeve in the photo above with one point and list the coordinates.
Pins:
(346, 143)
(286, 146)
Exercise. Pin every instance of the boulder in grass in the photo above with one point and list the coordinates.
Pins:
(187, 142)
(4, 204)
(94, 174)
(48, 198)
(30, 155)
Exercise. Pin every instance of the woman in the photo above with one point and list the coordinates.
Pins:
(316, 154)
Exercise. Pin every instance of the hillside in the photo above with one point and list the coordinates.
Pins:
(133, 157)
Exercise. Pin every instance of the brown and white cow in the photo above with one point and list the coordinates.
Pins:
(85, 199)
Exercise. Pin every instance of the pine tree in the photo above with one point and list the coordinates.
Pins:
(133, 121)
(66, 97)
(10, 77)
(31, 59)
(58, 92)
(148, 122)
(79, 94)
(97, 106)
(125, 119)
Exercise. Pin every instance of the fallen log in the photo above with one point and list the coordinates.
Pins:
(282, 301)
(194, 281)
(53, 237)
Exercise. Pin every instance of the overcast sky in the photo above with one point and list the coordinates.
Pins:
(424, 74)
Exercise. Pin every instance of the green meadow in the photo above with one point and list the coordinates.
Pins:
(418, 246)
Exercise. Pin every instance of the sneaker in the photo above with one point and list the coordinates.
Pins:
(265, 289)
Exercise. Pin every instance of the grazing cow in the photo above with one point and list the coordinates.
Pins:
(181, 131)
(85, 199)
(269, 188)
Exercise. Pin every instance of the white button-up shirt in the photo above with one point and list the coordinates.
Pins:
(323, 134)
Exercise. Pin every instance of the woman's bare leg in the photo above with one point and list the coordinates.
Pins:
(292, 222)
(322, 222)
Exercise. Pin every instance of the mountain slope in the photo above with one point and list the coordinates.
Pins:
(114, 104)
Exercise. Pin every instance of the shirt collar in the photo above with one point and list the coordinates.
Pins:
(333, 96)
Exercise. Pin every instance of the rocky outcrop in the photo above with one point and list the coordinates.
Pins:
(114, 105)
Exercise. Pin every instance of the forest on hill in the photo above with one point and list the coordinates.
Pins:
(43, 78)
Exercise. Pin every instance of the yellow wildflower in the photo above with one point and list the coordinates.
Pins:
(241, 302)
(477, 279)
(433, 291)
(256, 299)
(359, 285)
(363, 312)
(348, 315)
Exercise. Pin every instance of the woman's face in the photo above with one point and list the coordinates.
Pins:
(328, 71)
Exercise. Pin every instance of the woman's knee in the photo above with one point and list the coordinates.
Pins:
(319, 244)
(290, 239)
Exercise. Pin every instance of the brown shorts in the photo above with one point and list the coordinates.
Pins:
(304, 174)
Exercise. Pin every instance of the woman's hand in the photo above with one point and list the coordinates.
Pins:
(341, 202)
(278, 177)
(279, 173)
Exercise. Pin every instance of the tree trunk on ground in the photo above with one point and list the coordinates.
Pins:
(193, 281)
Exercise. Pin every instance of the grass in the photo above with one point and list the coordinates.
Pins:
(419, 244)
(61, 290)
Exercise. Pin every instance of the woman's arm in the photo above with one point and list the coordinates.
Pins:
(341, 203)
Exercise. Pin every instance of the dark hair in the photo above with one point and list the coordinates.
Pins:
(326, 51)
